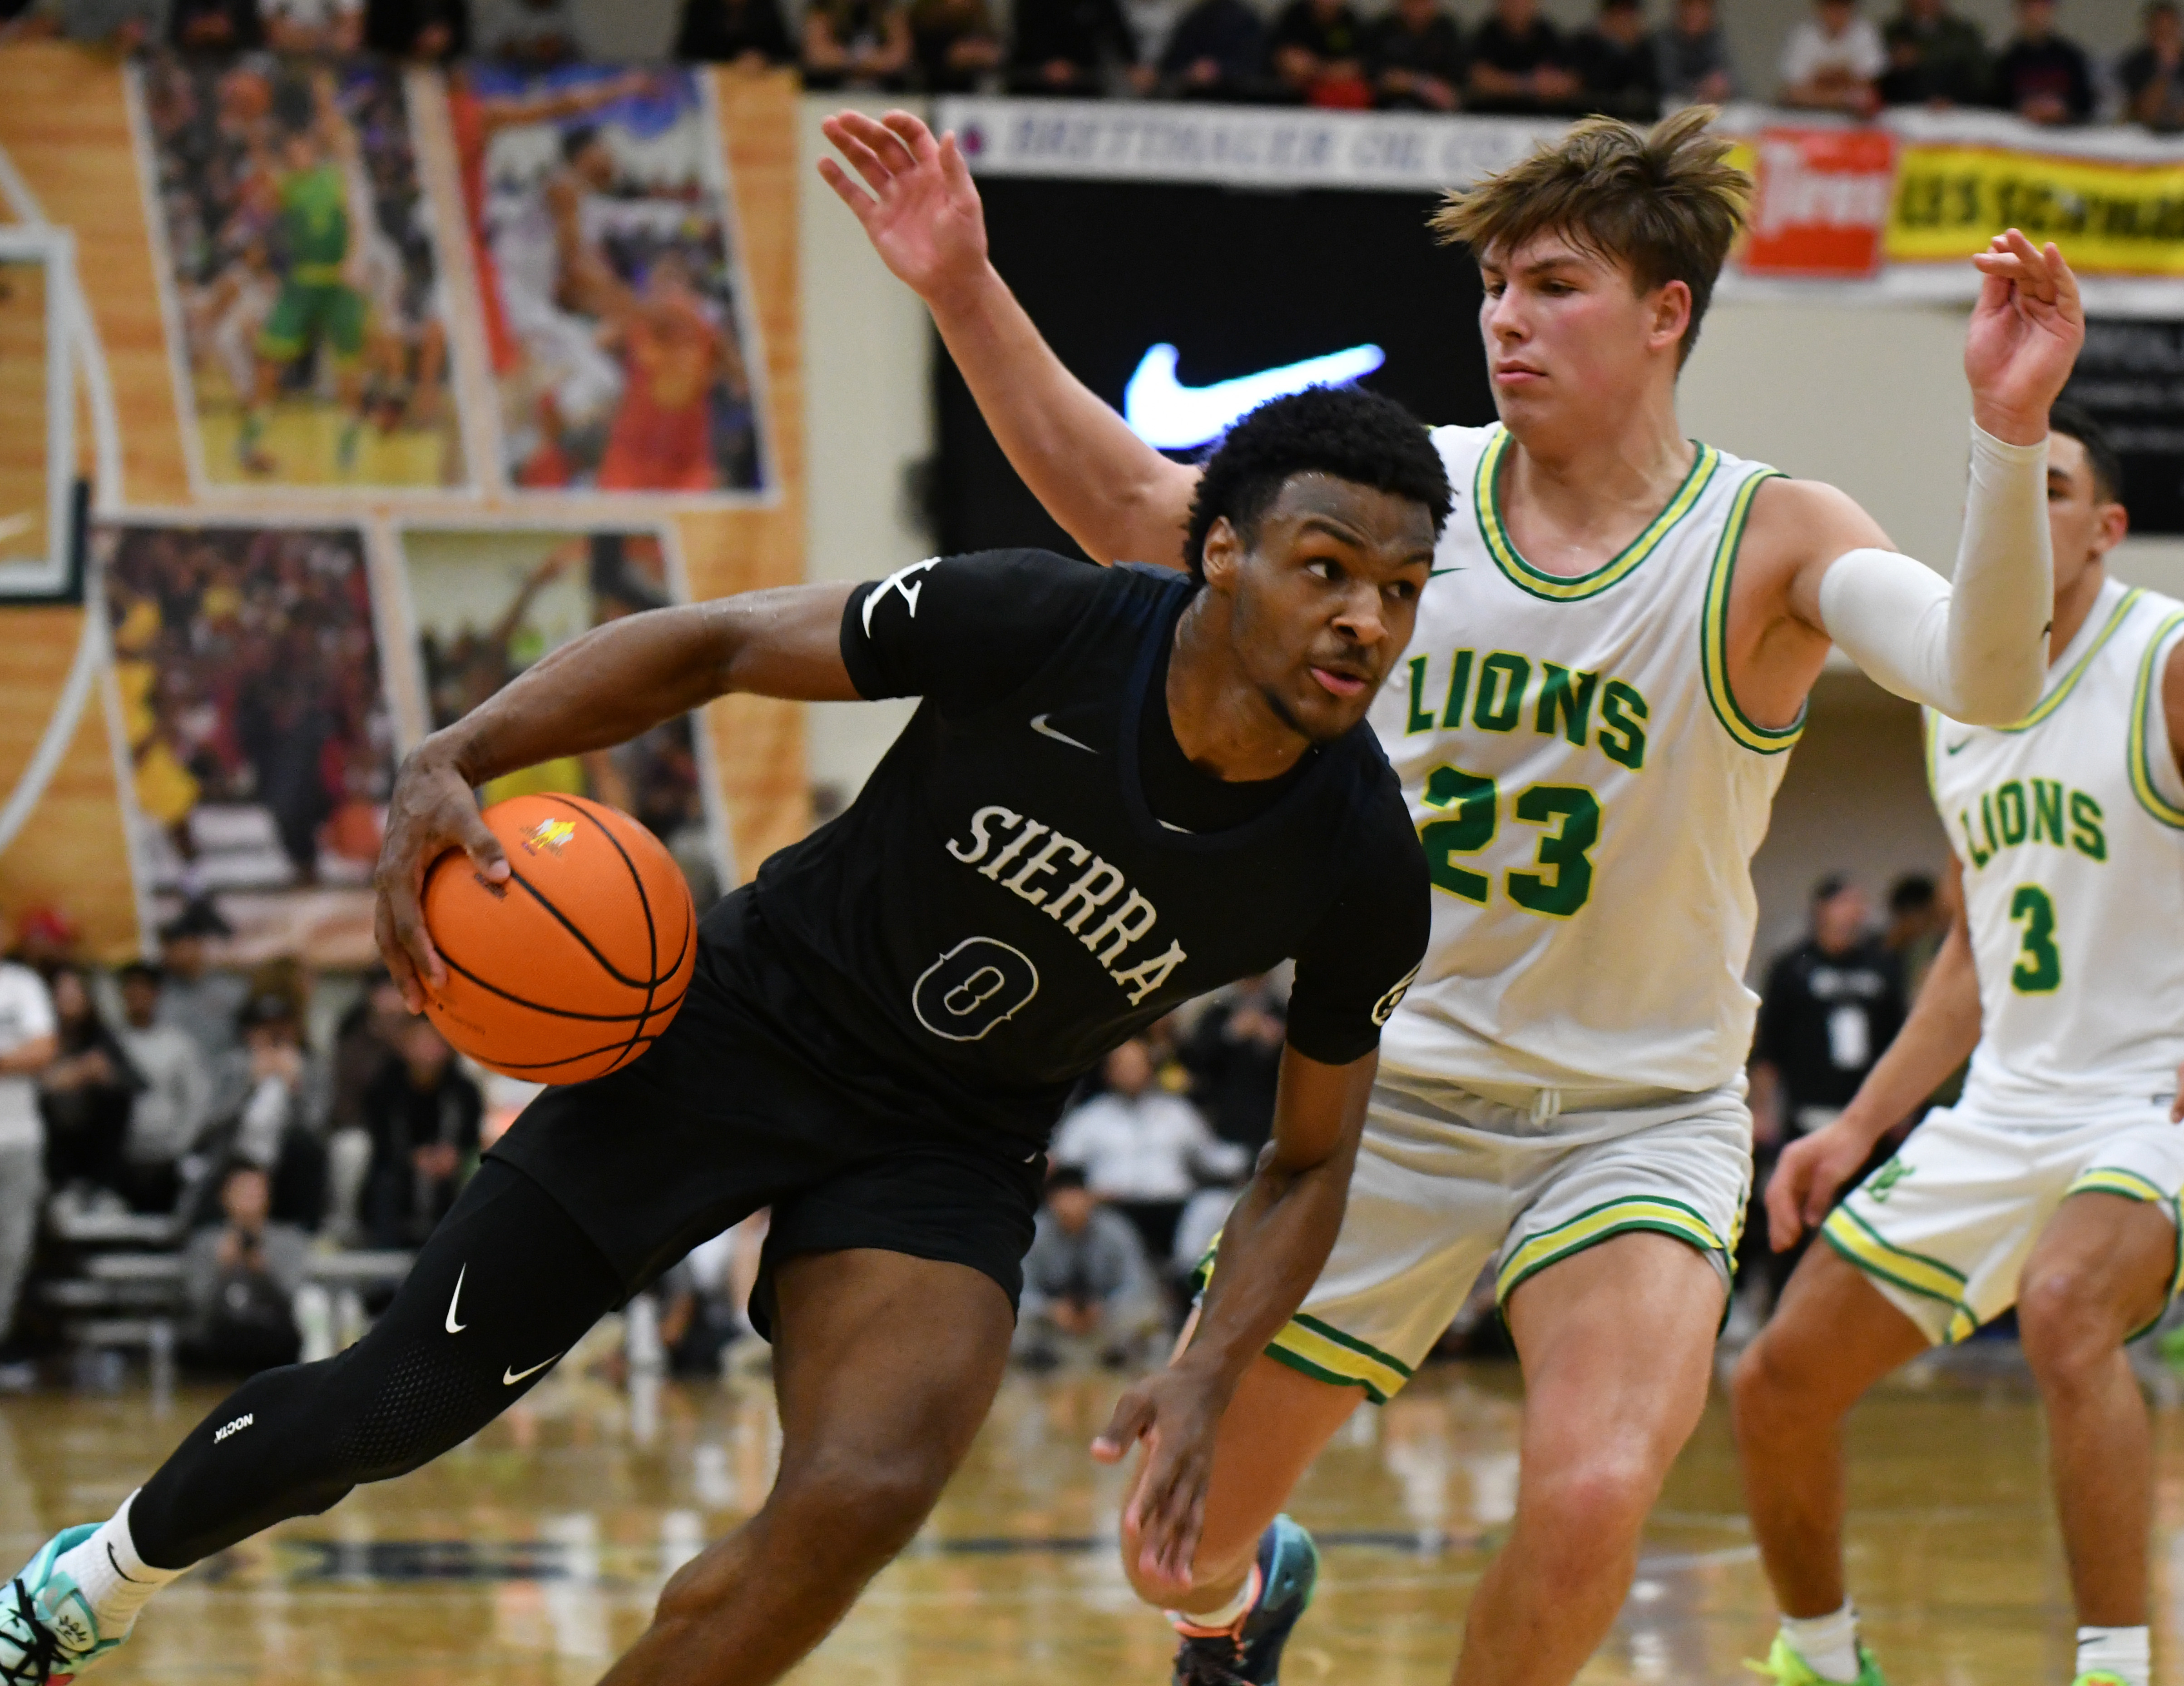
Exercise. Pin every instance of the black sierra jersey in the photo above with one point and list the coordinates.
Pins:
(1004, 902)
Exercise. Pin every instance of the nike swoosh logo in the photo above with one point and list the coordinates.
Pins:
(1435, 573)
(509, 1378)
(1039, 725)
(1171, 416)
(453, 1327)
(1951, 749)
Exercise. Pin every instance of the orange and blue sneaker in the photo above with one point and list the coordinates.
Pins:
(48, 1632)
(1251, 1654)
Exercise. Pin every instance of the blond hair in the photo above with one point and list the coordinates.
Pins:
(1663, 201)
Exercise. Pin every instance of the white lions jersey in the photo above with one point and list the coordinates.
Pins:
(2070, 828)
(1590, 798)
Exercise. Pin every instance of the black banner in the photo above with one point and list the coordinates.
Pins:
(2131, 377)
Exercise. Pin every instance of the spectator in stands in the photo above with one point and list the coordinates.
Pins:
(314, 26)
(84, 1097)
(45, 940)
(1144, 1150)
(197, 996)
(1067, 47)
(856, 44)
(1620, 73)
(2042, 76)
(29, 1040)
(1917, 921)
(1518, 63)
(434, 30)
(1086, 1284)
(1934, 57)
(748, 34)
(175, 1102)
(955, 43)
(239, 1280)
(2152, 74)
(124, 24)
(1833, 61)
(1414, 54)
(423, 1113)
(1218, 52)
(1694, 66)
(1234, 1059)
(536, 34)
(276, 1126)
(1319, 54)
(215, 25)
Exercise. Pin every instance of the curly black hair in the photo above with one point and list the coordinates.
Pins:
(1344, 432)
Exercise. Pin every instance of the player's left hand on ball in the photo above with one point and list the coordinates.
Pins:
(431, 812)
(2024, 338)
(1176, 1414)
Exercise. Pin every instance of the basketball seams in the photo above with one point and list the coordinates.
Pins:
(643, 900)
(574, 930)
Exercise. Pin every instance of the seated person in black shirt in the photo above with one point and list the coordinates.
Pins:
(1218, 50)
(2152, 73)
(2042, 76)
(1319, 54)
(1065, 47)
(422, 1112)
(954, 43)
(748, 34)
(1414, 56)
(1518, 63)
(1123, 787)
(856, 44)
(1934, 57)
(1615, 62)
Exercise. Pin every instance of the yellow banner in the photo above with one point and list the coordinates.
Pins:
(2109, 218)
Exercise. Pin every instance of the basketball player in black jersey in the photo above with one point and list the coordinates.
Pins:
(1123, 787)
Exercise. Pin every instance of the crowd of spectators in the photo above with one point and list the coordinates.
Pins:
(1418, 55)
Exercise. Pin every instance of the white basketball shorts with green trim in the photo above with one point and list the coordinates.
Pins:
(1447, 1181)
(1944, 1228)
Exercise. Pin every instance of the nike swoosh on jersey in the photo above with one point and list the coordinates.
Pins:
(1039, 725)
(454, 1300)
(509, 1378)
(1171, 416)
(1951, 749)
(1435, 573)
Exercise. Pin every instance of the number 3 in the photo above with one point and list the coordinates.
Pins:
(1474, 803)
(2039, 968)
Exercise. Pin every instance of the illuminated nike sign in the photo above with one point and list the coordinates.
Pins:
(1171, 416)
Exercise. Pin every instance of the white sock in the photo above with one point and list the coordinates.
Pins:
(115, 1582)
(2123, 1652)
(1190, 1621)
(1828, 1644)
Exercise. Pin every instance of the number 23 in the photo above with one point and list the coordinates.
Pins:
(1474, 803)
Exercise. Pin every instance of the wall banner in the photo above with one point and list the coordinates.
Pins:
(2109, 216)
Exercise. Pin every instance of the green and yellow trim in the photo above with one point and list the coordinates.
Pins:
(1320, 1350)
(1590, 1229)
(2069, 682)
(1486, 501)
(2132, 1185)
(1859, 1242)
(1713, 633)
(2142, 701)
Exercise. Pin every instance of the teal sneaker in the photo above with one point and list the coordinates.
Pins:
(1784, 1667)
(1288, 1569)
(48, 1634)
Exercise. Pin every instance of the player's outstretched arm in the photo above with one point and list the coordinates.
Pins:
(1272, 1245)
(598, 691)
(1975, 647)
(1937, 1037)
(1114, 493)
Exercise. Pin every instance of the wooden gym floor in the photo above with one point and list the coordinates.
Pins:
(532, 1554)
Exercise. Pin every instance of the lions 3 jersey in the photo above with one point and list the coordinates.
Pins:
(1589, 795)
(2070, 826)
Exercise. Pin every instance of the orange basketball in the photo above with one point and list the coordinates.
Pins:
(572, 967)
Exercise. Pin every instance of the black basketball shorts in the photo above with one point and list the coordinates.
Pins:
(733, 1109)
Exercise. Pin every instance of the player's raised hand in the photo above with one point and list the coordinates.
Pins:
(2025, 335)
(923, 214)
(431, 810)
(1806, 1177)
(1176, 1415)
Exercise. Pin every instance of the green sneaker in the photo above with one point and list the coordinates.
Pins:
(1784, 1667)
(2100, 1677)
(48, 1634)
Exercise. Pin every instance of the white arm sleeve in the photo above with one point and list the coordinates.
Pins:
(1976, 650)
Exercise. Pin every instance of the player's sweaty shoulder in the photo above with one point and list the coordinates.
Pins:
(1795, 530)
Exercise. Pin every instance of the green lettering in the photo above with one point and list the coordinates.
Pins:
(1986, 824)
(2086, 836)
(1459, 682)
(1979, 857)
(2039, 968)
(1566, 695)
(1622, 739)
(1502, 678)
(1421, 718)
(2009, 809)
(1471, 828)
(2047, 812)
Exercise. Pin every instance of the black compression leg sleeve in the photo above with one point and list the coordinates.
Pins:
(506, 1284)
